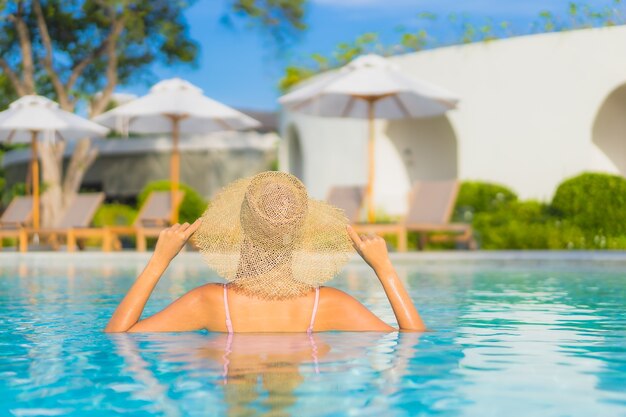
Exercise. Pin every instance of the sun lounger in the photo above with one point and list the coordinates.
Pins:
(349, 198)
(430, 208)
(153, 217)
(15, 218)
(75, 223)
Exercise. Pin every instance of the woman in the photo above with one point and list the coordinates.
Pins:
(276, 247)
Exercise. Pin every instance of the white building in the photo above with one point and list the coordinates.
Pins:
(534, 111)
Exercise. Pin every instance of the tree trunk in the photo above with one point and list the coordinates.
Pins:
(83, 156)
(52, 171)
(59, 190)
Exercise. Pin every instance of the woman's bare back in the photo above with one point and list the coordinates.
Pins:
(203, 307)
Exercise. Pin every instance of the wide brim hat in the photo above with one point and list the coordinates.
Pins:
(269, 239)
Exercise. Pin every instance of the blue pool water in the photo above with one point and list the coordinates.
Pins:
(537, 337)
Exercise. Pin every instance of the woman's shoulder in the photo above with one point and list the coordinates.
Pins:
(334, 295)
(208, 293)
(341, 311)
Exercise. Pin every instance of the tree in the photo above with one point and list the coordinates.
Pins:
(343, 53)
(281, 18)
(78, 51)
(71, 50)
(464, 29)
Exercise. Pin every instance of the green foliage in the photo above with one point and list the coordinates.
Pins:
(114, 215)
(480, 197)
(595, 202)
(280, 18)
(525, 225)
(192, 206)
(465, 29)
(7, 194)
(382, 217)
(587, 212)
(343, 53)
(414, 41)
(274, 165)
(531, 225)
(151, 31)
(293, 75)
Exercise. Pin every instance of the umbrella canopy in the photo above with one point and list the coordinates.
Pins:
(369, 87)
(175, 106)
(29, 116)
(38, 114)
(175, 97)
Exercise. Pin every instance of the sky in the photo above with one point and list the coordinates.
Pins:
(240, 66)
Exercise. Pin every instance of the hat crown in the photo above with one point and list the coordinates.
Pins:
(274, 209)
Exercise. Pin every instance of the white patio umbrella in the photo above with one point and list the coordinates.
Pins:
(175, 106)
(31, 115)
(369, 87)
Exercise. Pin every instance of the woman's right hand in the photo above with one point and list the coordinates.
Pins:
(172, 239)
(372, 248)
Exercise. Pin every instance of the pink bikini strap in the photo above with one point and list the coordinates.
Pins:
(317, 299)
(227, 351)
(229, 324)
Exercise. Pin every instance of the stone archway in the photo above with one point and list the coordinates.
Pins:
(427, 148)
(609, 128)
(295, 160)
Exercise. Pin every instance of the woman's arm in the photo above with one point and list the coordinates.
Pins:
(170, 242)
(373, 250)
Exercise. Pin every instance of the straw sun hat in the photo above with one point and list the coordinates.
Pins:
(269, 239)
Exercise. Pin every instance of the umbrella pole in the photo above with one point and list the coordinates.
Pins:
(35, 178)
(174, 169)
(371, 213)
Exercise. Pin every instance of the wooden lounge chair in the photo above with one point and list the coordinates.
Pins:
(349, 198)
(15, 218)
(153, 217)
(75, 223)
(430, 210)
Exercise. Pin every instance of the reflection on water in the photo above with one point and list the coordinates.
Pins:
(262, 374)
(511, 339)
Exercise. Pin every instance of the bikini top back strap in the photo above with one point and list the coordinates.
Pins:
(317, 299)
(229, 323)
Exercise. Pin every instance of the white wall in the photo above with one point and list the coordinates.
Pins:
(526, 118)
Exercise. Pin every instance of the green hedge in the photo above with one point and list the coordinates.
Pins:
(594, 202)
(479, 197)
(587, 212)
(114, 215)
(192, 206)
(526, 225)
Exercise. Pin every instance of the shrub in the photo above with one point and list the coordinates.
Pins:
(192, 206)
(527, 225)
(481, 197)
(7, 194)
(594, 202)
(114, 215)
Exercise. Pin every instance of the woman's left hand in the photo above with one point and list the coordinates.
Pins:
(172, 239)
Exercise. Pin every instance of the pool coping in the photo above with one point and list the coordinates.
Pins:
(438, 256)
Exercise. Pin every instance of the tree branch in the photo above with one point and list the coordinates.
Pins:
(26, 46)
(15, 81)
(79, 67)
(99, 105)
(64, 100)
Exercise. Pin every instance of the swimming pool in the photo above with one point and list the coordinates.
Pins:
(544, 335)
